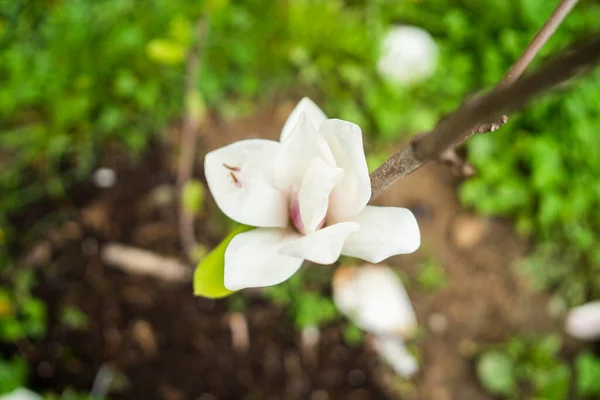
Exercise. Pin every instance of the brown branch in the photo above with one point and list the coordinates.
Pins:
(189, 131)
(458, 126)
(538, 41)
(450, 157)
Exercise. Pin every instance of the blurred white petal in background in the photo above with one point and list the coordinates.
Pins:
(375, 299)
(394, 352)
(583, 322)
(408, 55)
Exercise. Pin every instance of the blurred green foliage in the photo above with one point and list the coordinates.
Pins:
(21, 314)
(13, 374)
(531, 367)
(431, 275)
(304, 304)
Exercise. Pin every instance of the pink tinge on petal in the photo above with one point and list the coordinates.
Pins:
(295, 215)
(297, 218)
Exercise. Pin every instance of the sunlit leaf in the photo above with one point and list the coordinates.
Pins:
(193, 197)
(210, 272)
(587, 366)
(166, 51)
(496, 373)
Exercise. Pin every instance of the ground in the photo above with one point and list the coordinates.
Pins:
(169, 345)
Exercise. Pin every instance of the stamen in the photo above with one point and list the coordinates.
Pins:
(236, 169)
(236, 180)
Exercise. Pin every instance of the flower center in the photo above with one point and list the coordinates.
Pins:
(296, 217)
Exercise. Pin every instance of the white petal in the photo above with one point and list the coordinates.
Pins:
(252, 259)
(394, 352)
(353, 193)
(375, 299)
(315, 115)
(384, 232)
(303, 144)
(583, 322)
(313, 197)
(240, 178)
(323, 246)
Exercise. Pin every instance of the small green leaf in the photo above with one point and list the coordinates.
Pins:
(353, 335)
(73, 318)
(193, 197)
(496, 373)
(208, 276)
(588, 374)
(166, 51)
(180, 30)
(314, 309)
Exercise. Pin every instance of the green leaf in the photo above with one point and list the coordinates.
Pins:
(166, 51)
(208, 276)
(587, 366)
(193, 197)
(554, 383)
(496, 373)
(13, 374)
(314, 309)
(353, 335)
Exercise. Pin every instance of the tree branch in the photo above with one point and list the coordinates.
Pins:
(450, 157)
(538, 41)
(189, 131)
(459, 126)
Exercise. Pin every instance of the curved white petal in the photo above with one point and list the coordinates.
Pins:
(313, 197)
(322, 247)
(240, 179)
(252, 259)
(303, 144)
(353, 193)
(583, 322)
(384, 232)
(374, 298)
(315, 115)
(394, 352)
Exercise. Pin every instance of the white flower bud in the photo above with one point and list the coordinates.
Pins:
(583, 322)
(409, 55)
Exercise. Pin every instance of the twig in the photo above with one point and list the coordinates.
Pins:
(142, 262)
(191, 125)
(538, 41)
(458, 126)
(240, 336)
(450, 157)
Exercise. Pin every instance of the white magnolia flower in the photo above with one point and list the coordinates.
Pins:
(583, 322)
(308, 195)
(408, 55)
(375, 299)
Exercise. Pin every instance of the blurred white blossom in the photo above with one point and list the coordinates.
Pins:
(373, 297)
(104, 178)
(583, 322)
(308, 196)
(394, 352)
(408, 55)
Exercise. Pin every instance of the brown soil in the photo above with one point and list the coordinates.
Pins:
(170, 345)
